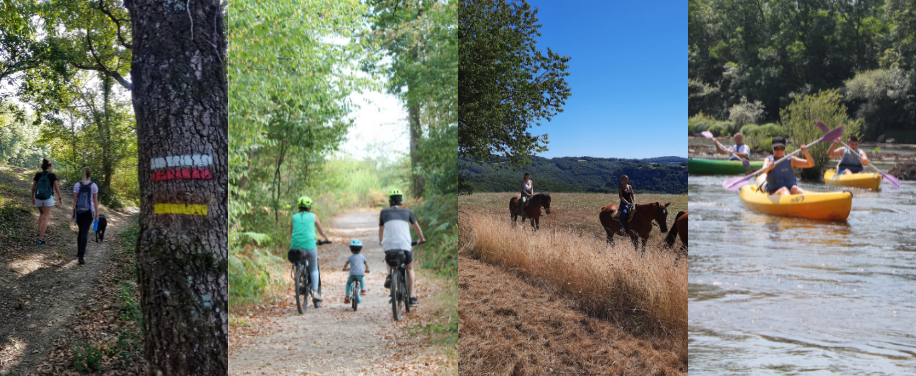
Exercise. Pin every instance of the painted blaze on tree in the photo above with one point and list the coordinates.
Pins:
(506, 82)
(180, 100)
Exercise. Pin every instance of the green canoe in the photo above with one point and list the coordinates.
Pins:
(719, 167)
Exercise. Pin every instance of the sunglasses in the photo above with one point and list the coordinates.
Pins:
(779, 148)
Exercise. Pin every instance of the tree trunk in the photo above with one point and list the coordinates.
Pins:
(180, 100)
(413, 113)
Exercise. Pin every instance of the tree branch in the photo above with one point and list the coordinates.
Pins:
(101, 67)
(117, 23)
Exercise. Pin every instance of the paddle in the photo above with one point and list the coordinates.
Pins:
(736, 183)
(890, 179)
(747, 165)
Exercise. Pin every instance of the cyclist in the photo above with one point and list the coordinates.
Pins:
(359, 267)
(302, 236)
(394, 234)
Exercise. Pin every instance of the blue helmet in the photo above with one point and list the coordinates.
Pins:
(356, 245)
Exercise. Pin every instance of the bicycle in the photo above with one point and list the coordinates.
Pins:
(303, 281)
(398, 290)
(354, 291)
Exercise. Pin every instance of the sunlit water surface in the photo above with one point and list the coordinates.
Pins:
(781, 295)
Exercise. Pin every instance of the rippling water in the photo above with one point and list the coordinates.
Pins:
(781, 295)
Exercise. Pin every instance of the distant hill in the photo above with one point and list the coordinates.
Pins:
(581, 174)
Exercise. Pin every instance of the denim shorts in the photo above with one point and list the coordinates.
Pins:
(48, 202)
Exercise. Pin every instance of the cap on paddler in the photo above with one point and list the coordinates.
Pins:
(778, 141)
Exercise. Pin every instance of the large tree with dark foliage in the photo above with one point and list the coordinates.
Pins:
(505, 82)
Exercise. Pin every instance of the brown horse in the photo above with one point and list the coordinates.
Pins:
(679, 228)
(532, 210)
(640, 225)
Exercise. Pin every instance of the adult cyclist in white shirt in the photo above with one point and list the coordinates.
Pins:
(394, 234)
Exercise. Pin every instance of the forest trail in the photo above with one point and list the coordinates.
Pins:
(42, 286)
(333, 339)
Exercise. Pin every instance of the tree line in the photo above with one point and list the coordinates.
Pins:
(748, 60)
(580, 174)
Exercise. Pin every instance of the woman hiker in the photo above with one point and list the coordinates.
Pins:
(85, 210)
(43, 196)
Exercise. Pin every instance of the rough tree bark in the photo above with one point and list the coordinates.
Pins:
(180, 100)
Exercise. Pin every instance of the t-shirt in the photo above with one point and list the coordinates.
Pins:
(303, 231)
(51, 177)
(743, 148)
(397, 221)
(92, 196)
(357, 264)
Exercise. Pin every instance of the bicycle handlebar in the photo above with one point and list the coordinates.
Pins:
(322, 242)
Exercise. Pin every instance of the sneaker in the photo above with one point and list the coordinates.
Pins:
(362, 292)
(388, 282)
(39, 242)
(347, 299)
(38, 234)
(414, 302)
(316, 295)
(81, 261)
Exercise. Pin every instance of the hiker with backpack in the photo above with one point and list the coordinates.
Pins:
(43, 187)
(85, 210)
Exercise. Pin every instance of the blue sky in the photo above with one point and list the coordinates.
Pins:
(627, 67)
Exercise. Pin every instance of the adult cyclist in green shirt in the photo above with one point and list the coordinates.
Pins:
(394, 234)
(302, 236)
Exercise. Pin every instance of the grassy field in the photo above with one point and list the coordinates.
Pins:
(572, 212)
(644, 293)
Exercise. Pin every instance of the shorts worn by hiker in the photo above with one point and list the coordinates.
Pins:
(49, 202)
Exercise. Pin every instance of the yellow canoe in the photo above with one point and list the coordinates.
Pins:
(813, 205)
(867, 181)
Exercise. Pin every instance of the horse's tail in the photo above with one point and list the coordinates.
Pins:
(672, 232)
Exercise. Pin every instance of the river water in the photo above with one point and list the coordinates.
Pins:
(782, 295)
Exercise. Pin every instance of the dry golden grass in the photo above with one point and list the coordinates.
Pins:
(643, 293)
(571, 212)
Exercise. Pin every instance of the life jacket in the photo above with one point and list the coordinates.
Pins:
(851, 160)
(736, 149)
(782, 174)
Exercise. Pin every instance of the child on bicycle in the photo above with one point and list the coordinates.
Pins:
(359, 266)
(302, 236)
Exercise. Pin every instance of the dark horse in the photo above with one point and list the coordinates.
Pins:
(641, 224)
(679, 228)
(532, 210)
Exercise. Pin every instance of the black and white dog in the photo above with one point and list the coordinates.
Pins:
(100, 233)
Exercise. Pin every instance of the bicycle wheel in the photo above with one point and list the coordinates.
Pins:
(300, 296)
(406, 294)
(354, 292)
(395, 299)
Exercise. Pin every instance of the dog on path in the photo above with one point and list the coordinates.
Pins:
(100, 232)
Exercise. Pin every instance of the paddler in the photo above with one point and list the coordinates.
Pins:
(854, 160)
(780, 177)
(739, 149)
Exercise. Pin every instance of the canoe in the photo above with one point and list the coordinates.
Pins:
(812, 205)
(718, 167)
(866, 180)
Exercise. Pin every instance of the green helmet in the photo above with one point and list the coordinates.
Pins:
(395, 192)
(304, 202)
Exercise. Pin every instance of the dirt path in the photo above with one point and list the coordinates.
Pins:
(41, 287)
(334, 339)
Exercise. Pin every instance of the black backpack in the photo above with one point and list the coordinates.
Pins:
(43, 188)
(84, 200)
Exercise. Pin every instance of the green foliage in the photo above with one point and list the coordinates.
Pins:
(438, 219)
(760, 137)
(87, 357)
(507, 82)
(18, 146)
(700, 123)
(745, 112)
(799, 120)
(585, 174)
(131, 309)
(776, 51)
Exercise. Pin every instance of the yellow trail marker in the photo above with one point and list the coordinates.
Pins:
(180, 209)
